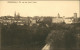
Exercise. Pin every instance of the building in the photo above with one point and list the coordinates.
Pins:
(7, 19)
(75, 19)
(19, 20)
(58, 19)
(68, 20)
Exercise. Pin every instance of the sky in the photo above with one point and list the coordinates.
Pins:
(40, 8)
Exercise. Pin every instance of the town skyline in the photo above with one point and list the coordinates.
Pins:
(41, 8)
(57, 15)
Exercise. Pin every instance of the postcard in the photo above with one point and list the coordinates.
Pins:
(40, 25)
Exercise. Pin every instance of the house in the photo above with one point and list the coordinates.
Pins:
(57, 20)
(7, 20)
(68, 20)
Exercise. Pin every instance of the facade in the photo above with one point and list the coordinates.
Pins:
(58, 19)
(7, 20)
(68, 20)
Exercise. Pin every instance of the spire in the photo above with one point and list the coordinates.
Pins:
(58, 15)
(18, 14)
(15, 14)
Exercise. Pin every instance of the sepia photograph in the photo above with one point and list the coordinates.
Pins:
(40, 25)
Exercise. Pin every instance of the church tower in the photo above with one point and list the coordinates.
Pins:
(18, 14)
(75, 17)
(58, 15)
(15, 14)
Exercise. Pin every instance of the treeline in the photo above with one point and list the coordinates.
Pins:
(64, 37)
(25, 35)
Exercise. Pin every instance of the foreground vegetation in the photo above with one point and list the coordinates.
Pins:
(37, 36)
